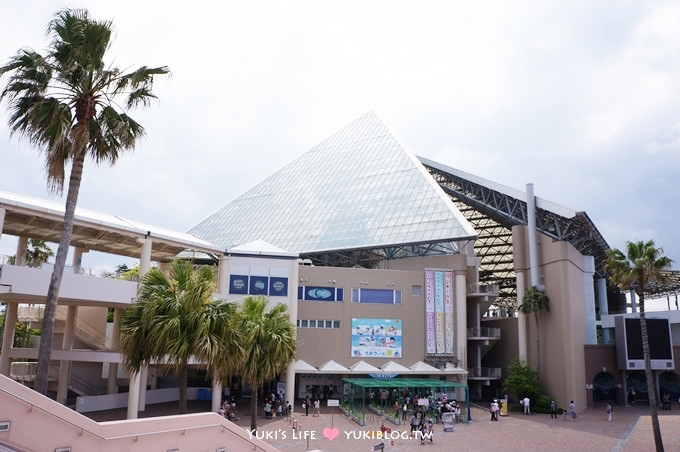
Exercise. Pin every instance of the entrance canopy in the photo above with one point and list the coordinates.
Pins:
(359, 387)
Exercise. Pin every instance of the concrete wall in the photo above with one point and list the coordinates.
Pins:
(318, 345)
(563, 329)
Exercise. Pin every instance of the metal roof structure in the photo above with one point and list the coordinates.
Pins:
(493, 209)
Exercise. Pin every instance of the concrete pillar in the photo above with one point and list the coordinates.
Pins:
(8, 337)
(216, 395)
(521, 319)
(604, 306)
(2, 220)
(78, 259)
(223, 277)
(143, 382)
(145, 257)
(144, 266)
(460, 300)
(112, 384)
(133, 396)
(67, 344)
(633, 301)
(532, 239)
(22, 247)
(589, 292)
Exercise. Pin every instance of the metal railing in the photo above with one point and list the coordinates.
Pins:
(484, 372)
(484, 332)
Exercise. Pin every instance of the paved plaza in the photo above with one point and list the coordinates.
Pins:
(630, 431)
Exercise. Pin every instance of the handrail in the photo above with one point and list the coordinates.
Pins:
(104, 438)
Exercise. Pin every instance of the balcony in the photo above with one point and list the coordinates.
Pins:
(484, 373)
(484, 333)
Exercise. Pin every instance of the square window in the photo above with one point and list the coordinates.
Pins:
(417, 291)
(304, 323)
(329, 324)
(336, 323)
(312, 323)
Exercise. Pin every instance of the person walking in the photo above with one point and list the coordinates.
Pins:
(317, 406)
(553, 410)
(572, 410)
(609, 412)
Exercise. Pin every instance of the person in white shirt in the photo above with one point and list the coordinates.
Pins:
(526, 402)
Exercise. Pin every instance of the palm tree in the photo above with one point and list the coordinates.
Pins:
(535, 302)
(642, 264)
(269, 344)
(175, 319)
(67, 104)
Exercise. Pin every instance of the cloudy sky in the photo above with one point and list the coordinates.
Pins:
(581, 98)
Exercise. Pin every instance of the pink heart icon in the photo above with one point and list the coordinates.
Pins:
(331, 433)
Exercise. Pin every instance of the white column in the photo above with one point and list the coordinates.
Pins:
(604, 306)
(78, 259)
(216, 395)
(633, 301)
(461, 319)
(144, 266)
(143, 382)
(2, 220)
(531, 237)
(112, 384)
(22, 247)
(133, 396)
(8, 337)
(145, 257)
(223, 277)
(67, 344)
(589, 292)
(521, 319)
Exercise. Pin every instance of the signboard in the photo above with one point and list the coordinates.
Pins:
(447, 420)
(429, 312)
(423, 402)
(376, 338)
(439, 312)
(332, 402)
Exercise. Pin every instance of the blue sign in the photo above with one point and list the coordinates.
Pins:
(259, 285)
(238, 284)
(278, 287)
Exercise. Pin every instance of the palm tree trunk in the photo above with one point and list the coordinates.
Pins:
(52, 300)
(253, 408)
(183, 376)
(651, 386)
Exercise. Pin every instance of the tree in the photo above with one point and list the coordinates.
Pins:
(522, 381)
(174, 319)
(535, 302)
(269, 343)
(66, 103)
(642, 264)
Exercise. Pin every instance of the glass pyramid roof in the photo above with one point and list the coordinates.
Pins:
(358, 189)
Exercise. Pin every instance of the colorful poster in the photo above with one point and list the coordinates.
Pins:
(439, 310)
(448, 311)
(376, 338)
(430, 346)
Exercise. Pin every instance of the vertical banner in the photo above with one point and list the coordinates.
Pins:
(429, 312)
(448, 310)
(439, 310)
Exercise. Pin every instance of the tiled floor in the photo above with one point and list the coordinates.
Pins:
(630, 431)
